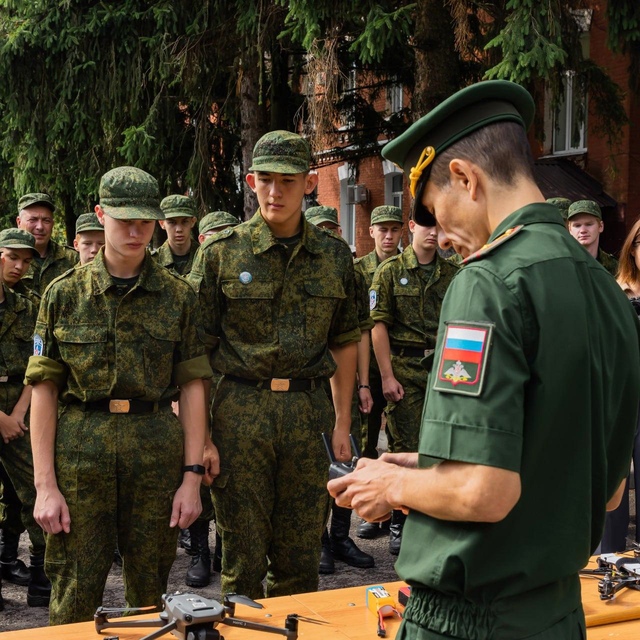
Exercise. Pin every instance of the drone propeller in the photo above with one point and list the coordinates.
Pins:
(297, 616)
(237, 598)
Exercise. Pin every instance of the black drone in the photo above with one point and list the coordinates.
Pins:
(191, 617)
(618, 572)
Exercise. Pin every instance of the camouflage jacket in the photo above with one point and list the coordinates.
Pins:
(406, 302)
(16, 340)
(366, 267)
(271, 315)
(23, 290)
(164, 257)
(608, 262)
(58, 260)
(94, 341)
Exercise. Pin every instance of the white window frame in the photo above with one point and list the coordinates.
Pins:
(562, 138)
(395, 98)
(346, 176)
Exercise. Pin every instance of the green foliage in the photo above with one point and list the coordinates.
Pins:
(624, 23)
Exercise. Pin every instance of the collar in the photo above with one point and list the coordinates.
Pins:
(537, 212)
(262, 238)
(102, 280)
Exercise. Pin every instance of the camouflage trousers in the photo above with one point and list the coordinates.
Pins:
(271, 500)
(404, 417)
(19, 493)
(118, 474)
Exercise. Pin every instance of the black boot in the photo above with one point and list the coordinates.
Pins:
(342, 546)
(13, 569)
(39, 592)
(184, 541)
(217, 555)
(327, 565)
(368, 530)
(395, 531)
(199, 573)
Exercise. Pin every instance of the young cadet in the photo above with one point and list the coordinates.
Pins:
(278, 303)
(563, 205)
(35, 215)
(213, 222)
(17, 322)
(324, 218)
(180, 216)
(521, 451)
(406, 297)
(584, 219)
(17, 260)
(117, 340)
(89, 237)
(386, 231)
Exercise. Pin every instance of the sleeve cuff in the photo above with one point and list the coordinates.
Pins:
(192, 370)
(345, 338)
(41, 368)
(380, 316)
(472, 444)
(366, 325)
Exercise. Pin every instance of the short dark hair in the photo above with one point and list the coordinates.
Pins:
(501, 150)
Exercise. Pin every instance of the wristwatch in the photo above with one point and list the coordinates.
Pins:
(195, 468)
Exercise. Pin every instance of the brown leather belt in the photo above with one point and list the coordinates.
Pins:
(411, 352)
(279, 384)
(113, 405)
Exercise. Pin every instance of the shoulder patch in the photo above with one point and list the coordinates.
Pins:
(373, 299)
(38, 345)
(463, 359)
(501, 239)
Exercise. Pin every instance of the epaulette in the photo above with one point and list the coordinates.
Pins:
(332, 234)
(487, 248)
(218, 235)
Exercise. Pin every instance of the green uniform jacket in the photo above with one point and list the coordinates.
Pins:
(608, 262)
(406, 303)
(16, 345)
(58, 260)
(274, 316)
(94, 344)
(164, 257)
(23, 290)
(537, 371)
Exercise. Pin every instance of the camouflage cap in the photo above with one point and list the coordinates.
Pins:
(18, 239)
(129, 193)
(31, 199)
(319, 214)
(386, 213)
(281, 152)
(178, 207)
(562, 204)
(216, 219)
(584, 206)
(88, 222)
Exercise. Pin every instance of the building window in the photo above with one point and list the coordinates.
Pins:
(569, 134)
(394, 98)
(346, 175)
(393, 184)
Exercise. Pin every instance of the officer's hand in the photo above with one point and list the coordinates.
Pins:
(365, 401)
(341, 445)
(186, 503)
(392, 389)
(51, 512)
(10, 428)
(211, 462)
(409, 460)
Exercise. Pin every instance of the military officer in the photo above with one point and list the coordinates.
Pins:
(35, 215)
(117, 340)
(213, 222)
(89, 237)
(406, 297)
(521, 451)
(17, 321)
(584, 221)
(180, 216)
(386, 231)
(278, 304)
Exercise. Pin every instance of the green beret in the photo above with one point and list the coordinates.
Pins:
(17, 239)
(584, 206)
(562, 204)
(281, 152)
(386, 213)
(88, 222)
(319, 214)
(216, 219)
(458, 116)
(178, 207)
(30, 199)
(129, 193)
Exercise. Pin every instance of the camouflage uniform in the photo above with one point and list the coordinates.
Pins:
(216, 220)
(408, 301)
(43, 271)
(273, 314)
(608, 262)
(118, 472)
(165, 257)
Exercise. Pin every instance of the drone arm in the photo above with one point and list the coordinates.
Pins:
(291, 634)
(108, 624)
(160, 632)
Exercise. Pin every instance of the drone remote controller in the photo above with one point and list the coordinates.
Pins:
(339, 469)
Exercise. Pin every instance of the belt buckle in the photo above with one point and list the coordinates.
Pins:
(280, 384)
(4, 378)
(119, 406)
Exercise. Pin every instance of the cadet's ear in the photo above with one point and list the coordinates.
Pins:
(161, 223)
(251, 181)
(311, 182)
(100, 213)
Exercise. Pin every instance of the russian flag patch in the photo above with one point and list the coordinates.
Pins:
(464, 358)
